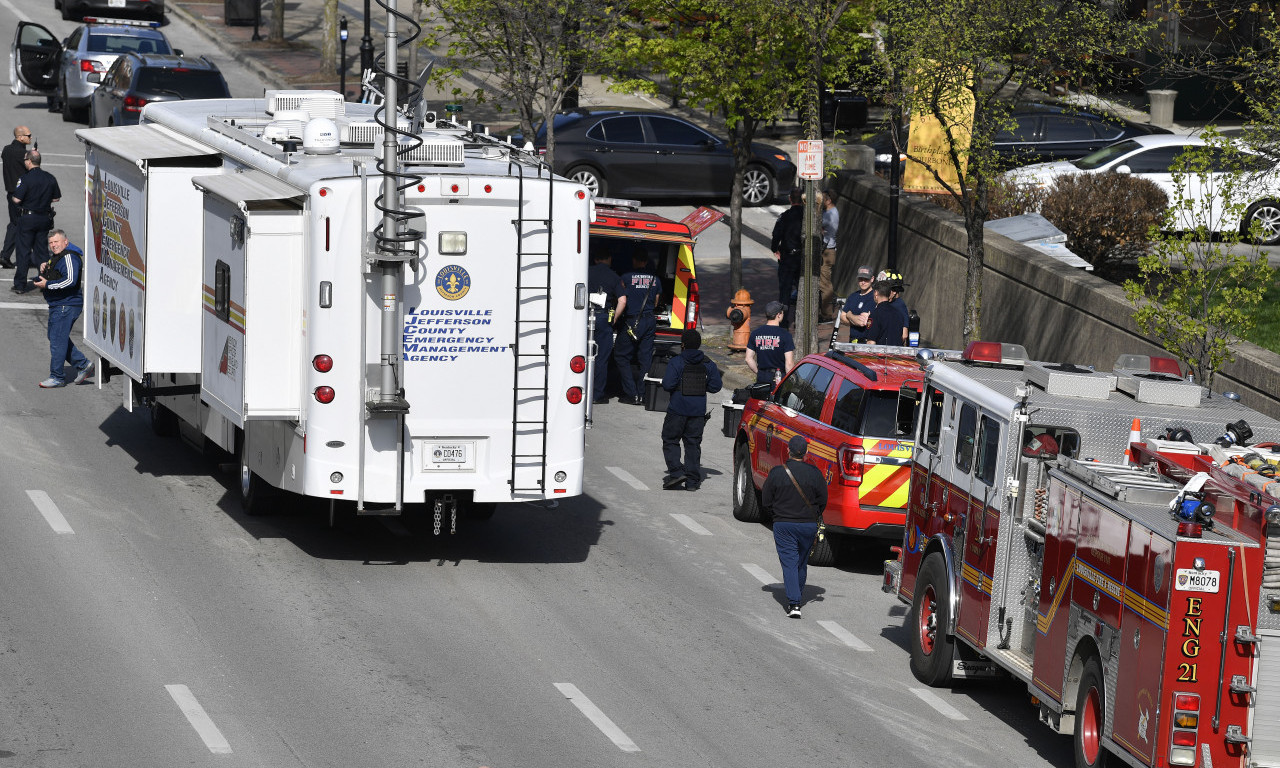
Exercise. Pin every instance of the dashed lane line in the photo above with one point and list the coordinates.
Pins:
(691, 524)
(21, 305)
(49, 511)
(627, 478)
(598, 718)
(761, 574)
(845, 636)
(205, 729)
(932, 699)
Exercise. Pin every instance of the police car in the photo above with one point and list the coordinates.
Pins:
(857, 407)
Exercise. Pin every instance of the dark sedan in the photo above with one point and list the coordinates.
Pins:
(1040, 133)
(651, 155)
(135, 80)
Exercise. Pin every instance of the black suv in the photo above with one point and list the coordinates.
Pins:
(135, 80)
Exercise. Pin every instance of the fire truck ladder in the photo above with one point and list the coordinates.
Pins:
(530, 396)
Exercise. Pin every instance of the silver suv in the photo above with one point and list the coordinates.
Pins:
(60, 71)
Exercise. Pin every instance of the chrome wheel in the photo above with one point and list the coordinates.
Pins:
(1267, 215)
(757, 186)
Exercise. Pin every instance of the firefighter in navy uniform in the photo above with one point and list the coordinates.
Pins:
(635, 337)
(35, 194)
(601, 279)
(689, 377)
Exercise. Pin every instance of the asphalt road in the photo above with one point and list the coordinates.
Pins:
(145, 622)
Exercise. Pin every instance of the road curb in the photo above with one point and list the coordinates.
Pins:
(273, 78)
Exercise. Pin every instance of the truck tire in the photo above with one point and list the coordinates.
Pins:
(825, 551)
(1091, 714)
(255, 495)
(932, 649)
(746, 499)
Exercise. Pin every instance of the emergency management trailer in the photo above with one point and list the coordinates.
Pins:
(233, 277)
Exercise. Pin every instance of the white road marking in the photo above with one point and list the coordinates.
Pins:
(50, 511)
(691, 524)
(195, 713)
(21, 16)
(627, 478)
(845, 636)
(18, 304)
(761, 574)
(597, 718)
(930, 698)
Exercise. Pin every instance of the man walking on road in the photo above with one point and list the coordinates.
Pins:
(35, 194)
(788, 248)
(826, 290)
(60, 278)
(795, 494)
(12, 161)
(689, 377)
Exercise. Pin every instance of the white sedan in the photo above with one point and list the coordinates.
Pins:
(1153, 157)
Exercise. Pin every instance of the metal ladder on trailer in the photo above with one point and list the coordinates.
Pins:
(530, 398)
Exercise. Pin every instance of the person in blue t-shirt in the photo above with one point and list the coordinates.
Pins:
(770, 348)
(857, 308)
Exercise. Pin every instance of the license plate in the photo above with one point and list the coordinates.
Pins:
(115, 3)
(1191, 580)
(453, 455)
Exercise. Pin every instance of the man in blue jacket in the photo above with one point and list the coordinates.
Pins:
(689, 377)
(60, 280)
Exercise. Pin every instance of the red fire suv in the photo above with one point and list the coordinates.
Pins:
(860, 425)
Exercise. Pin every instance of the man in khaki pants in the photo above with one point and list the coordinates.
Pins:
(826, 291)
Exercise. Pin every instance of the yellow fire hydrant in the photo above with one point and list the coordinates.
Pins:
(739, 314)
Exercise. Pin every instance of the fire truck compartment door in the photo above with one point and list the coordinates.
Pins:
(253, 269)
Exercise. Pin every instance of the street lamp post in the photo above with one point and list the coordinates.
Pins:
(366, 46)
(342, 57)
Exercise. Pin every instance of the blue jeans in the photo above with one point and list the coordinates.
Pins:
(793, 541)
(61, 318)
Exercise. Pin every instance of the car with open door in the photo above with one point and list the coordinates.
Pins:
(33, 61)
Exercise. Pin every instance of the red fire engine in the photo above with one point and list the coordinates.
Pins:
(1124, 578)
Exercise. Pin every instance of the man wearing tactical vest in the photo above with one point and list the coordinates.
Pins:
(689, 377)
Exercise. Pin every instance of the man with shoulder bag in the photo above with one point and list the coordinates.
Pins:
(795, 494)
(689, 377)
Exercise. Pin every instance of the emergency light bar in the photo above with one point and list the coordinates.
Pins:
(1148, 363)
(617, 202)
(994, 352)
(122, 22)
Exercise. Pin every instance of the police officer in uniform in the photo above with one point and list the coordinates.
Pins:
(689, 377)
(635, 338)
(35, 194)
(770, 348)
(13, 160)
(601, 279)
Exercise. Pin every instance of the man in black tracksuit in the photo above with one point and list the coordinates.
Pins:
(795, 494)
(689, 377)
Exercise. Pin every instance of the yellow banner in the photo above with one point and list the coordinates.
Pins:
(929, 149)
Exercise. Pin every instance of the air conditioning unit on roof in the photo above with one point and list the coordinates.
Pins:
(435, 151)
(368, 131)
(315, 103)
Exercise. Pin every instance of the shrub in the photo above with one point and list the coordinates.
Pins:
(1107, 216)
(1005, 199)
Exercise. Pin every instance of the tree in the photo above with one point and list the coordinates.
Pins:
(1194, 292)
(949, 54)
(275, 32)
(745, 61)
(535, 50)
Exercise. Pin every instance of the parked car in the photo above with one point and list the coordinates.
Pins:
(91, 47)
(640, 154)
(1153, 157)
(854, 408)
(137, 79)
(1040, 132)
(74, 10)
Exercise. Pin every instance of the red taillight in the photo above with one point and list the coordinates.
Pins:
(324, 394)
(322, 363)
(574, 395)
(581, 195)
(87, 65)
(851, 460)
(134, 103)
(1186, 701)
(1184, 738)
(578, 364)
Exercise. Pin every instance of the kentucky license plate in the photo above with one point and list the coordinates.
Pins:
(458, 455)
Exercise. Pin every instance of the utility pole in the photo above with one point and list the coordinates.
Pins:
(366, 46)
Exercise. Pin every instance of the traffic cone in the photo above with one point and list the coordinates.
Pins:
(1135, 436)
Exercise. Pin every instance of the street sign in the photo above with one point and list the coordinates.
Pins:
(810, 153)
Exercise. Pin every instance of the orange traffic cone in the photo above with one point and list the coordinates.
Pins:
(1135, 436)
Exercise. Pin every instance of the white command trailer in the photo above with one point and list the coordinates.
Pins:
(242, 276)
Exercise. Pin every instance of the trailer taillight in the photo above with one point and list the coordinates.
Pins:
(851, 459)
(581, 195)
(574, 395)
(322, 363)
(324, 394)
(578, 364)
(1186, 717)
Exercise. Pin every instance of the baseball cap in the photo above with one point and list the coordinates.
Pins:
(865, 272)
(798, 445)
(691, 339)
(773, 308)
